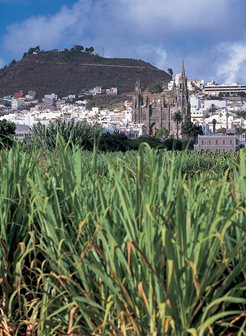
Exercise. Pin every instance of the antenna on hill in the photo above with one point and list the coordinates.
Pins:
(103, 52)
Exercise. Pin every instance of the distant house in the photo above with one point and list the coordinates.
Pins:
(17, 104)
(112, 92)
(217, 143)
(136, 131)
(96, 90)
(18, 94)
(22, 131)
(242, 139)
(31, 95)
(49, 103)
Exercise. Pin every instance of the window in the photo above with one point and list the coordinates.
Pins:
(223, 142)
(202, 142)
(216, 142)
(230, 142)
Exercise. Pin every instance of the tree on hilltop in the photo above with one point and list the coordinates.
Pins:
(13, 62)
(90, 50)
(78, 48)
(32, 51)
(170, 71)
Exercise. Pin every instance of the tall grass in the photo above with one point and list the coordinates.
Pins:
(121, 244)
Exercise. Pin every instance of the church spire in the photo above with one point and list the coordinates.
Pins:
(138, 86)
(183, 103)
(183, 70)
(137, 102)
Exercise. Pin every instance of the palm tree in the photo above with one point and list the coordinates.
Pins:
(227, 115)
(214, 125)
(177, 117)
(213, 108)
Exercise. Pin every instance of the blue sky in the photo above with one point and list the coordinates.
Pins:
(210, 35)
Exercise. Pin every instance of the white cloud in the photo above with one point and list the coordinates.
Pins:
(156, 54)
(2, 63)
(233, 68)
(129, 19)
(165, 16)
(48, 31)
(157, 31)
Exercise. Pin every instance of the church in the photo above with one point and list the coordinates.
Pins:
(157, 111)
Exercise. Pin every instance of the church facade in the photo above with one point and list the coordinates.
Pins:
(153, 113)
(157, 111)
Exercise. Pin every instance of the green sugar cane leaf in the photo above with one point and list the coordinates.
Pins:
(211, 320)
(220, 300)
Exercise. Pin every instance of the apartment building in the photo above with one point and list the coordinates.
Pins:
(217, 143)
(230, 89)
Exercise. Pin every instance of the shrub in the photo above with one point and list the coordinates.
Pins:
(7, 131)
(81, 134)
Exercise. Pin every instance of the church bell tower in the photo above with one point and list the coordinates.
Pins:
(183, 104)
(137, 103)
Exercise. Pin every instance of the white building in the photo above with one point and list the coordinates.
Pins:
(112, 92)
(242, 139)
(225, 120)
(134, 131)
(195, 104)
(51, 96)
(214, 89)
(219, 104)
(97, 90)
(128, 115)
(194, 85)
(31, 95)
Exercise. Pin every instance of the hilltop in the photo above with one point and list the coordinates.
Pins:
(67, 72)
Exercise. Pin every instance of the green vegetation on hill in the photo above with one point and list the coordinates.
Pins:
(121, 243)
(75, 49)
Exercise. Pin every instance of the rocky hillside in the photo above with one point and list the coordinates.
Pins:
(70, 72)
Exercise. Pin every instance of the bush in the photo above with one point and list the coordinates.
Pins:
(114, 142)
(172, 144)
(7, 131)
(80, 133)
(156, 88)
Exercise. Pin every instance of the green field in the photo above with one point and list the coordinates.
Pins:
(136, 243)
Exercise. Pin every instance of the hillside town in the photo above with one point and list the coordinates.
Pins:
(220, 109)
